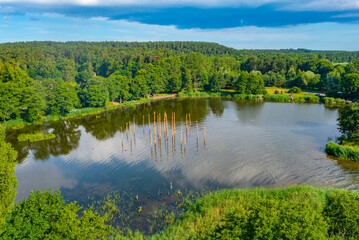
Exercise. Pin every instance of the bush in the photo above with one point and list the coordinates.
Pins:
(240, 96)
(271, 218)
(342, 152)
(45, 215)
(342, 211)
(8, 180)
(276, 92)
(295, 90)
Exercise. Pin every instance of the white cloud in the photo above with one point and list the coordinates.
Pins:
(319, 5)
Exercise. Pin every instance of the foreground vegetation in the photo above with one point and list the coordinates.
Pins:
(294, 213)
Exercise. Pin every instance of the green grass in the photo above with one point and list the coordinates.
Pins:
(15, 124)
(34, 137)
(342, 152)
(276, 98)
(299, 212)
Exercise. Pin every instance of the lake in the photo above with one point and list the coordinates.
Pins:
(239, 145)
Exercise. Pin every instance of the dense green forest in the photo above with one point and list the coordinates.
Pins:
(53, 78)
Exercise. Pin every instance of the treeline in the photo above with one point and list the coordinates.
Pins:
(52, 78)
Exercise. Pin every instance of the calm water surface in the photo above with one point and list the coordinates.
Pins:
(245, 145)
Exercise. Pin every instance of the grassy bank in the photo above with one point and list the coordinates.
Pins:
(299, 212)
(35, 137)
(343, 152)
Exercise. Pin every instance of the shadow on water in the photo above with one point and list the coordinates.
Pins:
(317, 131)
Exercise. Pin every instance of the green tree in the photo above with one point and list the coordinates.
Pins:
(216, 81)
(61, 98)
(8, 180)
(95, 94)
(350, 85)
(35, 108)
(187, 80)
(349, 120)
(240, 84)
(6, 108)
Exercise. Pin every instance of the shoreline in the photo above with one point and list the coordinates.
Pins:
(83, 112)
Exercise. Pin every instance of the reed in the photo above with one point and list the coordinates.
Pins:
(197, 128)
(149, 121)
(160, 124)
(174, 122)
(129, 124)
(181, 134)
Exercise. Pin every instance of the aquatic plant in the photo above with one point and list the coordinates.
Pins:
(34, 137)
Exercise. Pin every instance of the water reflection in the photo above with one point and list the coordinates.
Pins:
(144, 148)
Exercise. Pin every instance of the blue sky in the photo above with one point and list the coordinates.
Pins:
(242, 24)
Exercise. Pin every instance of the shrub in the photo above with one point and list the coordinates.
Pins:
(241, 96)
(271, 218)
(298, 212)
(300, 99)
(295, 90)
(342, 211)
(8, 180)
(45, 215)
(276, 92)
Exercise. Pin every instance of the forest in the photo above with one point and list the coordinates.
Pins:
(39, 79)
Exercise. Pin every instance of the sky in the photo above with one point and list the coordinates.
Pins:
(241, 24)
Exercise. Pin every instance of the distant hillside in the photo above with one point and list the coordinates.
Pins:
(150, 51)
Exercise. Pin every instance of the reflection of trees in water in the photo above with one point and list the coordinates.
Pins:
(111, 122)
(248, 111)
(107, 125)
(217, 106)
(67, 139)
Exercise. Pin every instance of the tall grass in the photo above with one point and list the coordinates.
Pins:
(15, 124)
(276, 98)
(330, 100)
(342, 152)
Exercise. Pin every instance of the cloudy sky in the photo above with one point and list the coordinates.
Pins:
(242, 24)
